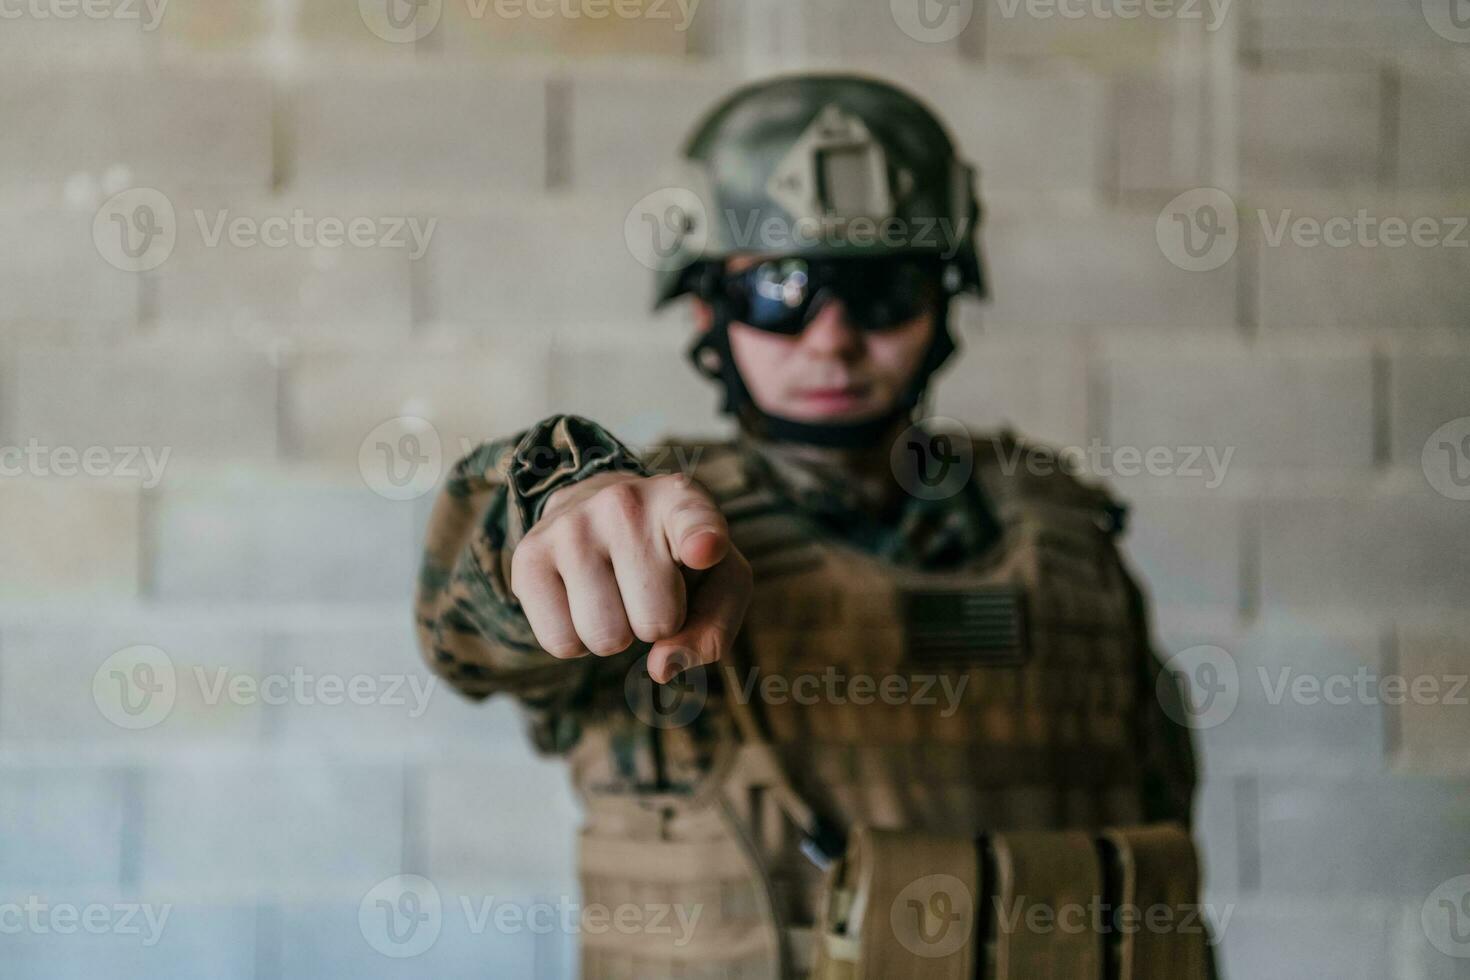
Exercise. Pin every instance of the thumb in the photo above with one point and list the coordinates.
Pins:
(696, 531)
(717, 607)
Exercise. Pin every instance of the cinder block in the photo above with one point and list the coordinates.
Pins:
(367, 689)
(34, 41)
(145, 937)
(1427, 391)
(266, 827)
(1025, 130)
(618, 144)
(1310, 130)
(329, 940)
(1037, 387)
(1309, 283)
(514, 822)
(187, 402)
(291, 542)
(1388, 552)
(497, 28)
(1267, 408)
(1186, 549)
(61, 686)
(1161, 135)
(518, 267)
(334, 400)
(1369, 836)
(1308, 701)
(67, 536)
(1098, 270)
(62, 828)
(656, 393)
(290, 260)
(1340, 937)
(54, 277)
(1342, 30)
(1433, 722)
(407, 130)
(166, 129)
(1108, 36)
(1434, 134)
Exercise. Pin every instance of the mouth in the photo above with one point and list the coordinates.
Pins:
(837, 398)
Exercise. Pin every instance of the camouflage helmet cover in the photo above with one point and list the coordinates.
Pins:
(823, 165)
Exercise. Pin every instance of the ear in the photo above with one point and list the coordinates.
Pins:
(704, 314)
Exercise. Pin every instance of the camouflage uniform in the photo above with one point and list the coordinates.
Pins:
(1070, 733)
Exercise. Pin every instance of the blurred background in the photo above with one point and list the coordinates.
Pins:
(273, 265)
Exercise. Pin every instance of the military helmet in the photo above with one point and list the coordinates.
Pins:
(823, 166)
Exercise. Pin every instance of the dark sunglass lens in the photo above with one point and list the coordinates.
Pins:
(776, 293)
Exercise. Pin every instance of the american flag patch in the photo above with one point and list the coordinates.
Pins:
(982, 625)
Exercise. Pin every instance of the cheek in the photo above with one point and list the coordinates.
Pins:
(897, 354)
(760, 357)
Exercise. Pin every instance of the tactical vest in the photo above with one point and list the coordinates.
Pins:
(996, 696)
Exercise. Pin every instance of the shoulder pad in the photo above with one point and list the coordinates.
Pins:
(1031, 472)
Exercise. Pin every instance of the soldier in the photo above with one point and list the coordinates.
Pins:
(863, 626)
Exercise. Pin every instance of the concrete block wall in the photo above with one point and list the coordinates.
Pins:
(207, 496)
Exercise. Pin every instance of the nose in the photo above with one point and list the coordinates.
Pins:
(829, 332)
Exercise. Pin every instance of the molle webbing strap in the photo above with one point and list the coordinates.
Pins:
(1046, 884)
(1154, 872)
(901, 907)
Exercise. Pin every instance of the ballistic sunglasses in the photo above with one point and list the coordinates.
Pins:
(781, 295)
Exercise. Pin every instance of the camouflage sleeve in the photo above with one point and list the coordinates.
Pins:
(471, 629)
(1167, 747)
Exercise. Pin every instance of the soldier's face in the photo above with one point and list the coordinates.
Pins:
(832, 370)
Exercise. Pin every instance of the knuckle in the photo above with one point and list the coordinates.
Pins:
(652, 629)
(563, 649)
(608, 643)
(620, 502)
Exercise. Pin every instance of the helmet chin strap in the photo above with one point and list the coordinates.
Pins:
(836, 435)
